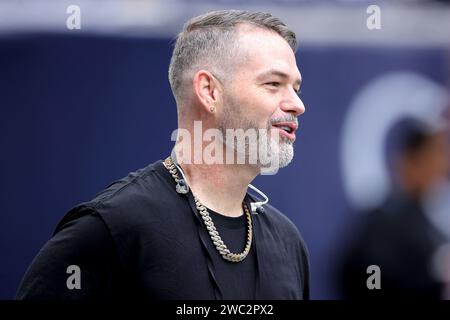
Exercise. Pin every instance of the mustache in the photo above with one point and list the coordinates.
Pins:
(287, 118)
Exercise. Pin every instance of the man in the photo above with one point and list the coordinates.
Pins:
(399, 236)
(186, 227)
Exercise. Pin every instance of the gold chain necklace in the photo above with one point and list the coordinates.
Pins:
(213, 233)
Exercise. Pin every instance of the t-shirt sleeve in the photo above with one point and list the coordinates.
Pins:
(78, 262)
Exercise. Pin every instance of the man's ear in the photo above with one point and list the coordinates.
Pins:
(206, 90)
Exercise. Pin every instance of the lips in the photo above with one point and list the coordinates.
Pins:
(287, 129)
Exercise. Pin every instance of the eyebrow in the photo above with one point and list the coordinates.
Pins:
(279, 74)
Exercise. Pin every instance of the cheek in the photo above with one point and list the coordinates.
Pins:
(257, 106)
(253, 106)
(264, 106)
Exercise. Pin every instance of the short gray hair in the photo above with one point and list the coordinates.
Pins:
(210, 39)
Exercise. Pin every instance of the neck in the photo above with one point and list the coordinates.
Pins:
(220, 187)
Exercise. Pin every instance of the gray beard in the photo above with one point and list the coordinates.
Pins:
(268, 148)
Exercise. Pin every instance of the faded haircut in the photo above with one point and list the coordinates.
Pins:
(210, 42)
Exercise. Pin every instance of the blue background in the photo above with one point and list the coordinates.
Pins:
(80, 111)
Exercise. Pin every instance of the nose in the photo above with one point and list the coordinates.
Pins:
(293, 104)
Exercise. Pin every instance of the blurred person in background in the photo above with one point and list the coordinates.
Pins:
(397, 236)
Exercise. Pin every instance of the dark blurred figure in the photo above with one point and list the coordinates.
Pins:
(397, 236)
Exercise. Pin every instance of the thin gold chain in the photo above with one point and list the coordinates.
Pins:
(213, 233)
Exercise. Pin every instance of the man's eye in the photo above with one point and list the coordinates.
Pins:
(273, 84)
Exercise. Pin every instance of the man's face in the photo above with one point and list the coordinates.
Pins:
(263, 91)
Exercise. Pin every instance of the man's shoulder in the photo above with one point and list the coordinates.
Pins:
(142, 181)
(126, 198)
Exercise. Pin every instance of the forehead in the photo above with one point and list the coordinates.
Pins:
(265, 50)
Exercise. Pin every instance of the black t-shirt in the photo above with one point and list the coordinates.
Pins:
(86, 242)
(237, 279)
(139, 238)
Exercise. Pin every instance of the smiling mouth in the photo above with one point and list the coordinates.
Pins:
(288, 127)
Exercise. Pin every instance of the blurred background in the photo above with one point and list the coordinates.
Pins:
(85, 99)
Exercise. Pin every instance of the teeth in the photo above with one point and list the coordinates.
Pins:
(285, 128)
